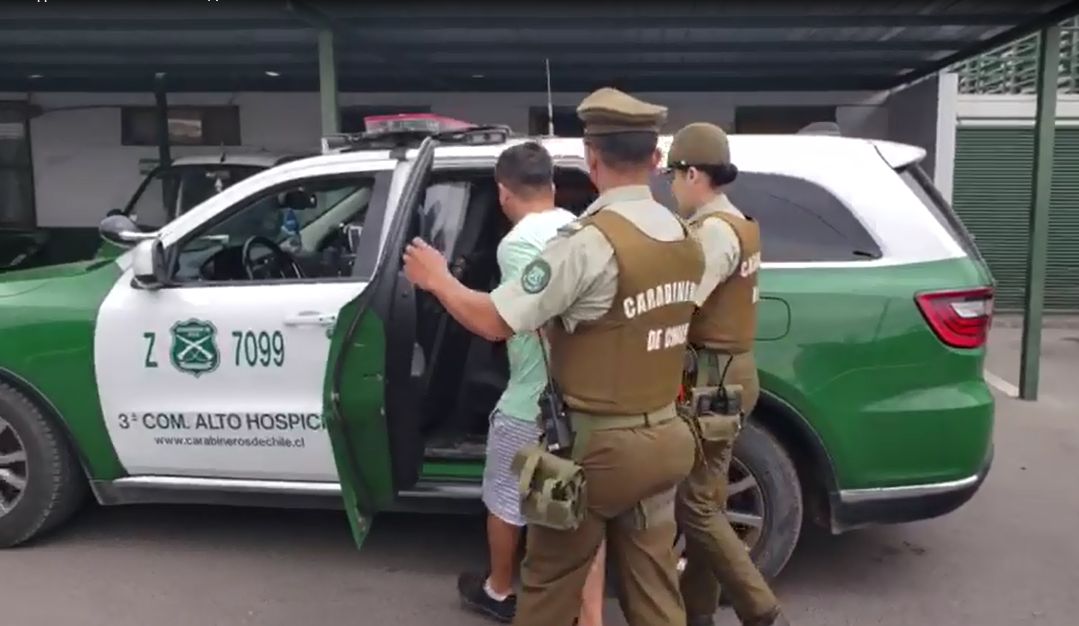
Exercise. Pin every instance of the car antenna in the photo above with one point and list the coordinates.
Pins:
(550, 105)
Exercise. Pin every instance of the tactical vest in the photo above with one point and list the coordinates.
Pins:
(727, 321)
(630, 360)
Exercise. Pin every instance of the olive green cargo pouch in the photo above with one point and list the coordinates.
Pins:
(552, 489)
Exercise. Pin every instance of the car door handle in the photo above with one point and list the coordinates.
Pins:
(311, 318)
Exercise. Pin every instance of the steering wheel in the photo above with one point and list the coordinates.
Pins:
(277, 264)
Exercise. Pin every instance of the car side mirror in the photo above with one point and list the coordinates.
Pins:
(149, 265)
(122, 231)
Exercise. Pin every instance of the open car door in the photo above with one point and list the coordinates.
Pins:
(369, 400)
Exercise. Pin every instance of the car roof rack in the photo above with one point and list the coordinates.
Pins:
(412, 138)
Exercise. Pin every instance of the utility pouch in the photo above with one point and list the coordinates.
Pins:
(716, 428)
(551, 488)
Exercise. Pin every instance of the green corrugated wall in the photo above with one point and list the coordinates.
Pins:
(991, 193)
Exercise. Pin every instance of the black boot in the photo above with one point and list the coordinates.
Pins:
(474, 596)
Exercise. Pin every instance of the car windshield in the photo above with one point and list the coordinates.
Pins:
(170, 192)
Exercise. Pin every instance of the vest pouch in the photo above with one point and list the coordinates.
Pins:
(551, 488)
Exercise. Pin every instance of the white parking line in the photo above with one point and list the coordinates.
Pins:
(1000, 384)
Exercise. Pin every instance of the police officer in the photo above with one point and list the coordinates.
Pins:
(614, 294)
(721, 336)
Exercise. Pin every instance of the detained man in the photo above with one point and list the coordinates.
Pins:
(525, 177)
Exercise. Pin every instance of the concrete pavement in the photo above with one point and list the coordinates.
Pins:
(1009, 557)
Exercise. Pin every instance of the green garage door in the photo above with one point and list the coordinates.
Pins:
(992, 196)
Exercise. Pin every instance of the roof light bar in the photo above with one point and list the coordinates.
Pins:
(388, 132)
(402, 122)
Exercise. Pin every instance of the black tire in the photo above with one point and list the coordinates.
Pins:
(763, 456)
(55, 486)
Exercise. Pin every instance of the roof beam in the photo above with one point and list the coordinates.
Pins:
(149, 66)
(360, 84)
(284, 60)
(698, 20)
(564, 48)
(151, 24)
(592, 22)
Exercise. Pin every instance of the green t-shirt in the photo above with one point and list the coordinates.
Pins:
(528, 375)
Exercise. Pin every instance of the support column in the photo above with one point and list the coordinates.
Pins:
(161, 100)
(327, 83)
(1044, 136)
(164, 150)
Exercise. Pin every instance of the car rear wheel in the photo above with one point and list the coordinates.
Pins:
(764, 500)
(41, 484)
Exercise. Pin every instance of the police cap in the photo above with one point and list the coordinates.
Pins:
(699, 144)
(608, 111)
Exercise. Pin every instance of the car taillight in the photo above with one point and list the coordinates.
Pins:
(960, 318)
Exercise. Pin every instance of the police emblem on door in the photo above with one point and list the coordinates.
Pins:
(194, 347)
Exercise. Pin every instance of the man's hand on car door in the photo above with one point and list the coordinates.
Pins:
(425, 266)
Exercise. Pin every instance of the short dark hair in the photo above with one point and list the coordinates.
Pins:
(620, 151)
(525, 169)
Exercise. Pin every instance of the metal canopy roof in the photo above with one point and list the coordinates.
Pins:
(401, 47)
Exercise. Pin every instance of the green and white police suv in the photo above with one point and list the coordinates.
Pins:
(265, 348)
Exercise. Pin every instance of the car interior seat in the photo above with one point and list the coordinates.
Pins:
(442, 339)
(485, 365)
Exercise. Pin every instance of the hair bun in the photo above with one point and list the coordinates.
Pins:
(725, 174)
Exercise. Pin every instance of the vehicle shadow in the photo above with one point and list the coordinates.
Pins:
(861, 561)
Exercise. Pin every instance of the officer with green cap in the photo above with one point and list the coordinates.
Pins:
(721, 343)
(613, 293)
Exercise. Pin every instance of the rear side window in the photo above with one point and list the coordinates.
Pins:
(922, 186)
(800, 221)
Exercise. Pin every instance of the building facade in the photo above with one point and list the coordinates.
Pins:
(994, 162)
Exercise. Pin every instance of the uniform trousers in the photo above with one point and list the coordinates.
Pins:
(630, 480)
(715, 554)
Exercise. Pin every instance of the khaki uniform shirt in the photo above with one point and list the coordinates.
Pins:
(582, 275)
(720, 243)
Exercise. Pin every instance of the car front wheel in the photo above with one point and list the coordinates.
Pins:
(41, 484)
(764, 500)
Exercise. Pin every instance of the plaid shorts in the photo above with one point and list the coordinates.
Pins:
(506, 436)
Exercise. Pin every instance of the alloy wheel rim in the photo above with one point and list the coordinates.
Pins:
(745, 509)
(14, 469)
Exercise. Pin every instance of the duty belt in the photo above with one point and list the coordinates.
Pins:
(590, 422)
